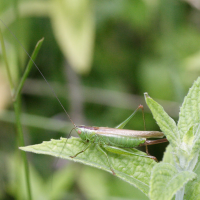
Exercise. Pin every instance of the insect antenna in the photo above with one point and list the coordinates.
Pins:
(54, 93)
(64, 145)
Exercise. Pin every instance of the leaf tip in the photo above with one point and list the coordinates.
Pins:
(22, 148)
(39, 42)
(146, 95)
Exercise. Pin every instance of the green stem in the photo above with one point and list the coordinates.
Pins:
(16, 100)
(16, 103)
(180, 194)
(21, 143)
(28, 68)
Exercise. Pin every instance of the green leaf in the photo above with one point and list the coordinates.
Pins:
(165, 122)
(168, 156)
(132, 169)
(189, 149)
(190, 109)
(196, 141)
(193, 190)
(189, 136)
(166, 180)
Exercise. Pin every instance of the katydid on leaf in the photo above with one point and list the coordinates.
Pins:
(116, 140)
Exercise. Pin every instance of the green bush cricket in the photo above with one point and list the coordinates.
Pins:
(116, 140)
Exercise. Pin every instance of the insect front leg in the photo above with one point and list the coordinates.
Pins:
(82, 150)
(90, 140)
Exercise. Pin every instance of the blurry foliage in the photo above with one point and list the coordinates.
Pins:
(137, 46)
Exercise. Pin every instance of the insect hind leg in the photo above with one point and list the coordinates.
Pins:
(100, 149)
(152, 142)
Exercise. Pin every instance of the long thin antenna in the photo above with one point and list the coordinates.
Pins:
(54, 93)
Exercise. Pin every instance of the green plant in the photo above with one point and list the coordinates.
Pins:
(15, 94)
(167, 178)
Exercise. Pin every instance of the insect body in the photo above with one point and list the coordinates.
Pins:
(116, 137)
(117, 140)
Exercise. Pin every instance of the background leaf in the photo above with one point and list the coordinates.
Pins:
(73, 25)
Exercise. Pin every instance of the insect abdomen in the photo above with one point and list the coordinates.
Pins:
(119, 141)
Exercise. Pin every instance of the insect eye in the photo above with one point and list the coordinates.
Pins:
(79, 131)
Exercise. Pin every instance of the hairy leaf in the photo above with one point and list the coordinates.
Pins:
(166, 180)
(193, 190)
(189, 112)
(165, 122)
(132, 169)
(196, 142)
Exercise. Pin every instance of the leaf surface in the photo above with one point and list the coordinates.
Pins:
(165, 122)
(132, 169)
(166, 181)
(189, 112)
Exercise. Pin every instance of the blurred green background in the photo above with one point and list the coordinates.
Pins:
(100, 57)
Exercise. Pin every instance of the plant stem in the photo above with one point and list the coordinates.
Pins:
(21, 143)
(28, 68)
(180, 194)
(16, 103)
